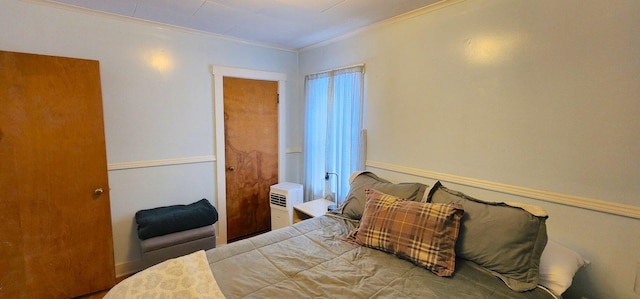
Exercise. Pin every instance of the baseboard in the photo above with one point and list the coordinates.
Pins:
(128, 268)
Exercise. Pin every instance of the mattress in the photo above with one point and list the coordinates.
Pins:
(312, 259)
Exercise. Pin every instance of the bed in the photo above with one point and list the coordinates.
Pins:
(311, 259)
(338, 256)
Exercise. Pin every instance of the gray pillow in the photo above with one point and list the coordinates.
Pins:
(502, 238)
(353, 206)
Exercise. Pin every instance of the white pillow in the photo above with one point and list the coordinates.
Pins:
(558, 265)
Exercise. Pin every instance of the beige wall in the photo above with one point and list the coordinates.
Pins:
(535, 95)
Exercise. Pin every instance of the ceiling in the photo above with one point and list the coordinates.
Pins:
(290, 24)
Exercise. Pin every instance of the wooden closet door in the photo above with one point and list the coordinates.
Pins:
(251, 154)
(56, 239)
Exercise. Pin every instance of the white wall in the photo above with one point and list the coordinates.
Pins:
(532, 94)
(157, 98)
(555, 109)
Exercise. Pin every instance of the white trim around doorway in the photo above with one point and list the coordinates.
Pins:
(218, 72)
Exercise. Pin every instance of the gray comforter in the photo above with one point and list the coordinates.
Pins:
(310, 259)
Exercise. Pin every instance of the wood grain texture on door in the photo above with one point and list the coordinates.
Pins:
(251, 153)
(56, 224)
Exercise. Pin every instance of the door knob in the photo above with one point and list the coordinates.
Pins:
(231, 168)
(98, 191)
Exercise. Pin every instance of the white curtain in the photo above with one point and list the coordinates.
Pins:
(334, 143)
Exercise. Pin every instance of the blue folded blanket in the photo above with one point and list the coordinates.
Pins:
(171, 219)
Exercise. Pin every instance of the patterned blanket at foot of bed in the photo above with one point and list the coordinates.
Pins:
(188, 276)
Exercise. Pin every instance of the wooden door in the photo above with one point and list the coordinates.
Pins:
(56, 239)
(251, 154)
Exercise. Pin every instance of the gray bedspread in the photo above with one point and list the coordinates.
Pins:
(310, 259)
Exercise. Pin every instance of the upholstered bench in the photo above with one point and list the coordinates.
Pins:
(172, 231)
(158, 249)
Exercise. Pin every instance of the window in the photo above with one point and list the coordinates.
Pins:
(334, 146)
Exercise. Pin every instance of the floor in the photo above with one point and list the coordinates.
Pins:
(248, 236)
(101, 294)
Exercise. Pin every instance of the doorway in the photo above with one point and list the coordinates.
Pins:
(251, 154)
(223, 193)
(54, 191)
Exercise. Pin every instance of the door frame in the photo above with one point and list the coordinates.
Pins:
(218, 73)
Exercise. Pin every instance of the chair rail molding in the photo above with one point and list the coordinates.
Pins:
(163, 162)
(558, 198)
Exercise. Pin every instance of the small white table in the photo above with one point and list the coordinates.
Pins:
(311, 209)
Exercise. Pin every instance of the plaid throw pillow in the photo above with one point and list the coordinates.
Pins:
(423, 233)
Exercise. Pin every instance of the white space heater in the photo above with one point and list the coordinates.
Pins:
(283, 197)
